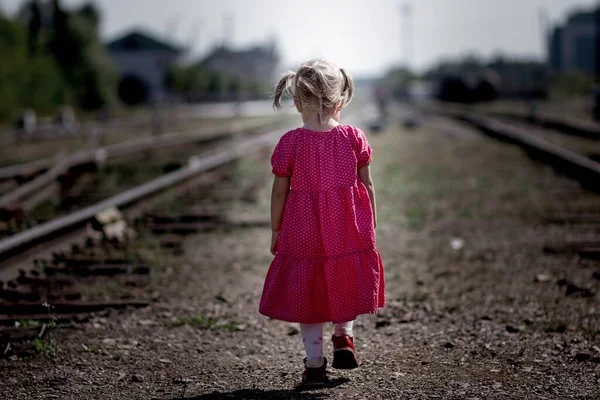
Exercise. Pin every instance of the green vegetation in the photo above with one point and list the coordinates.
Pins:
(199, 83)
(397, 80)
(40, 345)
(49, 63)
(28, 323)
(27, 80)
(571, 83)
(415, 216)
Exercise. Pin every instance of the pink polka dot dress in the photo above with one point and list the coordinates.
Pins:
(327, 267)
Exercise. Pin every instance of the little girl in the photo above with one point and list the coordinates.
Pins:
(326, 266)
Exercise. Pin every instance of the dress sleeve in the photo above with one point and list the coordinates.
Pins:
(364, 152)
(282, 159)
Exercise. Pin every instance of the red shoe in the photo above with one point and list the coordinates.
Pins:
(314, 377)
(344, 356)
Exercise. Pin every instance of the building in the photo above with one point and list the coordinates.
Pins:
(572, 47)
(258, 63)
(142, 62)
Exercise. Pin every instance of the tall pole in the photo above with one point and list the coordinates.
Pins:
(544, 32)
(228, 28)
(597, 41)
(407, 11)
(597, 62)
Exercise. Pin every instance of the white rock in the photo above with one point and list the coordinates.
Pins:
(457, 243)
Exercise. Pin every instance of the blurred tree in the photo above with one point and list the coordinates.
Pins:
(47, 63)
(397, 81)
(26, 80)
(45, 87)
(91, 15)
(198, 83)
(172, 78)
(34, 26)
(190, 81)
(11, 38)
(572, 83)
(79, 52)
(217, 83)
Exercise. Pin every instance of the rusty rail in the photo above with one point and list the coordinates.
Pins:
(29, 190)
(11, 171)
(196, 166)
(573, 164)
(569, 126)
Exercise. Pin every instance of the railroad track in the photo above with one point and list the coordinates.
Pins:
(544, 146)
(16, 205)
(563, 124)
(572, 155)
(167, 139)
(36, 295)
(572, 150)
(48, 272)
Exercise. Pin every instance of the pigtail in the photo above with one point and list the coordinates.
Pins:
(348, 88)
(284, 86)
(318, 85)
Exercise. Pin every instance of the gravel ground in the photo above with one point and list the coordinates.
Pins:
(476, 308)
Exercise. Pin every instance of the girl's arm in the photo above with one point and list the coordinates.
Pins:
(279, 194)
(365, 176)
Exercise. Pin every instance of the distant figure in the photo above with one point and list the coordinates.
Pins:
(327, 267)
(66, 120)
(26, 123)
(380, 96)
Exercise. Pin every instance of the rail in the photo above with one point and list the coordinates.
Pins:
(78, 218)
(576, 165)
(87, 155)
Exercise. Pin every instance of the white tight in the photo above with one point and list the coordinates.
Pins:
(312, 338)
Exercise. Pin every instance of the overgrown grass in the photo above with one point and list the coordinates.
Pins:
(26, 323)
(113, 178)
(41, 346)
(45, 210)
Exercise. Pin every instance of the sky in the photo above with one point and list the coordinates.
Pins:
(364, 36)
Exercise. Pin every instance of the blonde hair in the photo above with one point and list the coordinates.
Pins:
(317, 84)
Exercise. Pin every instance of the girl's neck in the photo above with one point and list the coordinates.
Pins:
(312, 122)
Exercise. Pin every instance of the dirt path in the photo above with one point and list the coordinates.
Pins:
(462, 232)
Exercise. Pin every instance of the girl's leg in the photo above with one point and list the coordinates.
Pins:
(312, 338)
(344, 329)
(344, 356)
